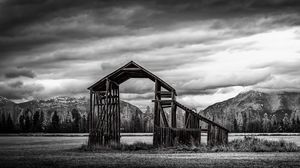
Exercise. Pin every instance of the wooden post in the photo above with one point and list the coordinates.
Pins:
(156, 133)
(91, 112)
(209, 135)
(173, 111)
(119, 118)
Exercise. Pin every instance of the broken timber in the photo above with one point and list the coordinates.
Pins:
(104, 116)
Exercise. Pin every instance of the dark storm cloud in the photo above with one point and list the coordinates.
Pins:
(14, 73)
(18, 90)
(78, 39)
(27, 24)
(16, 84)
(196, 91)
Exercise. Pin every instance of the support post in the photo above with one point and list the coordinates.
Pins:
(156, 133)
(173, 111)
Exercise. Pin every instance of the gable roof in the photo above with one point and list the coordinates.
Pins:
(130, 70)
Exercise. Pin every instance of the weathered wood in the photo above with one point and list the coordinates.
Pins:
(156, 133)
(173, 112)
(165, 120)
(104, 116)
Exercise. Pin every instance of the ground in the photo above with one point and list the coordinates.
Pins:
(63, 152)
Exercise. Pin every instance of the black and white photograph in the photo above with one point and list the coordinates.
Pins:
(150, 83)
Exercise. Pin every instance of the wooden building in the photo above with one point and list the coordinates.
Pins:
(104, 116)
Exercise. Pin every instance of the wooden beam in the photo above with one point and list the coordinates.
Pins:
(187, 119)
(156, 108)
(131, 69)
(200, 117)
(91, 112)
(163, 102)
(173, 112)
(163, 115)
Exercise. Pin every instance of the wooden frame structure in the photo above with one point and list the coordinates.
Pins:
(104, 116)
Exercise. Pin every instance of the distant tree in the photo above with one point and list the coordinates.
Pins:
(298, 125)
(137, 124)
(3, 123)
(235, 126)
(42, 121)
(280, 126)
(245, 124)
(22, 123)
(67, 125)
(274, 123)
(240, 122)
(83, 125)
(293, 125)
(36, 122)
(28, 124)
(55, 127)
(286, 123)
(76, 120)
(10, 125)
(266, 123)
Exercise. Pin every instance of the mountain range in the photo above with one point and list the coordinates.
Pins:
(251, 111)
(64, 107)
(255, 111)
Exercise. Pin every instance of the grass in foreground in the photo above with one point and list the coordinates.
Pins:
(248, 144)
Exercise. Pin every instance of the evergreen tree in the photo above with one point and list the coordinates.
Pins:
(136, 122)
(55, 127)
(84, 126)
(10, 125)
(76, 119)
(22, 123)
(274, 123)
(235, 126)
(286, 123)
(3, 123)
(281, 126)
(266, 123)
(293, 125)
(298, 125)
(28, 123)
(36, 122)
(41, 122)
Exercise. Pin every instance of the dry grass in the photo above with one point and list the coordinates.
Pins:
(248, 144)
(62, 152)
(120, 147)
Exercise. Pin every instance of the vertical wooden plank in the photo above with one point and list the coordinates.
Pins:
(106, 111)
(91, 112)
(163, 115)
(112, 122)
(187, 119)
(173, 111)
(156, 133)
(209, 135)
(199, 134)
(118, 113)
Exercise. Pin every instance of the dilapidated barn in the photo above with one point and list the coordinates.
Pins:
(104, 117)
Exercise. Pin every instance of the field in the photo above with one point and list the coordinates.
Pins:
(63, 151)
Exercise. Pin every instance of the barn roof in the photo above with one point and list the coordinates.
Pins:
(130, 70)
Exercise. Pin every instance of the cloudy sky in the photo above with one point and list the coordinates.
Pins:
(209, 50)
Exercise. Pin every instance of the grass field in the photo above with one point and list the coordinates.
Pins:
(18, 151)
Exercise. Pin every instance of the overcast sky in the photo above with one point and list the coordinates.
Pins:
(209, 50)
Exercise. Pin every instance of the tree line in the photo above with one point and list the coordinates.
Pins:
(73, 123)
(268, 124)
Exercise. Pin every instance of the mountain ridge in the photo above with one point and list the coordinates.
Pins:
(253, 107)
(65, 107)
